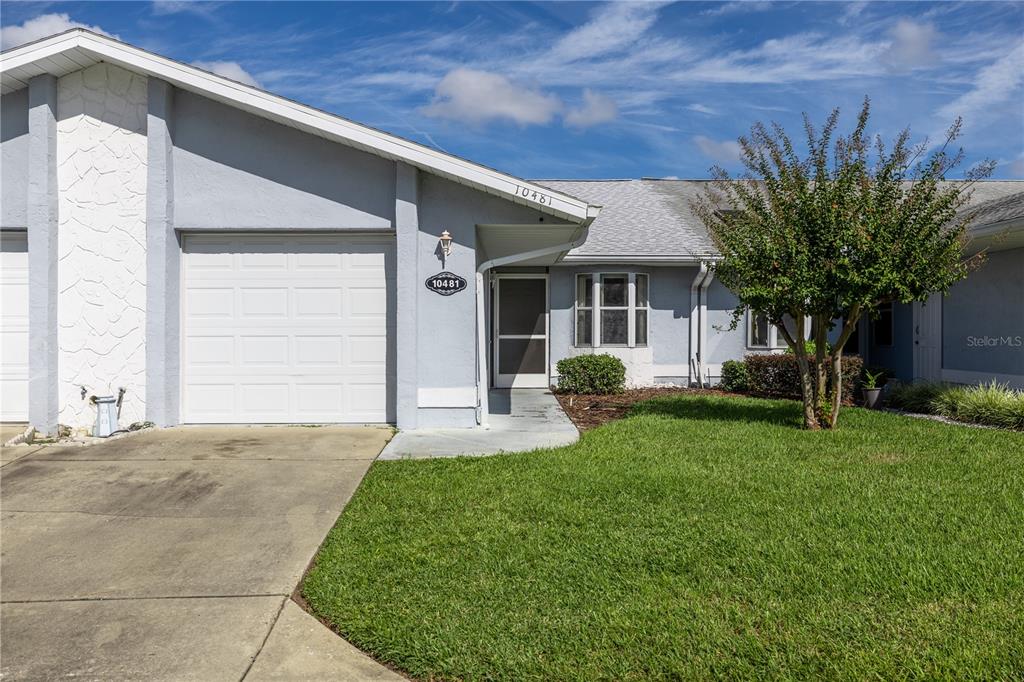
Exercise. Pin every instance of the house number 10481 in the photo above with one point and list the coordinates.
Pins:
(530, 193)
(445, 283)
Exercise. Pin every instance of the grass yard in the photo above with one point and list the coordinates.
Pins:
(701, 537)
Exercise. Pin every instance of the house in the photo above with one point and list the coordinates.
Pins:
(976, 332)
(225, 255)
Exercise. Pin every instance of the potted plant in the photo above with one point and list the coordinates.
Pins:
(872, 391)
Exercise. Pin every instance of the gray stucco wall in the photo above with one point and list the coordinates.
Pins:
(41, 212)
(723, 343)
(236, 170)
(667, 354)
(446, 345)
(983, 318)
(14, 158)
(163, 262)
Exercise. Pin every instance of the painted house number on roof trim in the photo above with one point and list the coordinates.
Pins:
(530, 193)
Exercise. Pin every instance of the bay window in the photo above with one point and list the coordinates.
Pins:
(761, 333)
(612, 309)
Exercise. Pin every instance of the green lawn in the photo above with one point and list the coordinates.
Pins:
(702, 537)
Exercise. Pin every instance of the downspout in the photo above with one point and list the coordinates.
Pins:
(701, 354)
(481, 323)
(695, 317)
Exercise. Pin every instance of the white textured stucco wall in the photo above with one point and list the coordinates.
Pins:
(101, 176)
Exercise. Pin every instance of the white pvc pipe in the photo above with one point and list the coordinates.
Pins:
(481, 353)
(705, 283)
(695, 321)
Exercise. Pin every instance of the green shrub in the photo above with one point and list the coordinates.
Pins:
(734, 376)
(598, 374)
(810, 348)
(919, 397)
(993, 404)
(778, 376)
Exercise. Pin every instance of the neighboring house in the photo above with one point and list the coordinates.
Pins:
(229, 256)
(976, 332)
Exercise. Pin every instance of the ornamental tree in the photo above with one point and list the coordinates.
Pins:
(820, 237)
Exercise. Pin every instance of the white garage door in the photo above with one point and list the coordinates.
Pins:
(13, 326)
(287, 329)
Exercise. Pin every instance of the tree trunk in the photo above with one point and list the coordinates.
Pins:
(849, 324)
(837, 385)
(822, 406)
(802, 363)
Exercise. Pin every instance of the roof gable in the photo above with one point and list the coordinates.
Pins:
(78, 48)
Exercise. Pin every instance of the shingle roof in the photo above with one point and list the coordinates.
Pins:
(640, 217)
(997, 210)
(652, 218)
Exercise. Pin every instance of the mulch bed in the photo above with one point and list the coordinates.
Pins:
(590, 411)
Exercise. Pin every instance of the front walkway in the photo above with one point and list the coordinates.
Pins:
(520, 419)
(173, 555)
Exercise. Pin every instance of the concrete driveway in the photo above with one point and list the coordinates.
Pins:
(172, 554)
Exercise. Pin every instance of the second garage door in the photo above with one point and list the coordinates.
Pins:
(13, 326)
(287, 329)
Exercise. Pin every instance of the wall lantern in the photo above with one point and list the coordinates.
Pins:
(445, 241)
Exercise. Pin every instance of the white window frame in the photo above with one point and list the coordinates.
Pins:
(596, 308)
(773, 334)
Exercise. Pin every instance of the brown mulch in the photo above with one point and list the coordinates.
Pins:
(590, 411)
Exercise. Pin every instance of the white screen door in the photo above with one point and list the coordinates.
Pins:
(521, 332)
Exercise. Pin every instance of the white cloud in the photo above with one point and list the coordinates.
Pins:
(597, 108)
(720, 152)
(477, 97)
(852, 11)
(203, 9)
(701, 109)
(1017, 168)
(996, 83)
(613, 28)
(43, 26)
(737, 7)
(910, 46)
(232, 70)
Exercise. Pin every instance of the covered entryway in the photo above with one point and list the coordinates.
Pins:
(13, 326)
(521, 331)
(287, 329)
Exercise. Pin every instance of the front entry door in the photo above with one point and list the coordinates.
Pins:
(927, 318)
(521, 331)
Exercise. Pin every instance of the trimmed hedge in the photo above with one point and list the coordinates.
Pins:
(591, 374)
(734, 376)
(778, 376)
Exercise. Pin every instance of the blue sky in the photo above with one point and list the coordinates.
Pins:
(582, 90)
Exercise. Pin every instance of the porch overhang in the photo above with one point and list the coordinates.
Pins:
(528, 245)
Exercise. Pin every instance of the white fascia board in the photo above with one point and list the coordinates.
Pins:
(40, 49)
(307, 118)
(661, 259)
